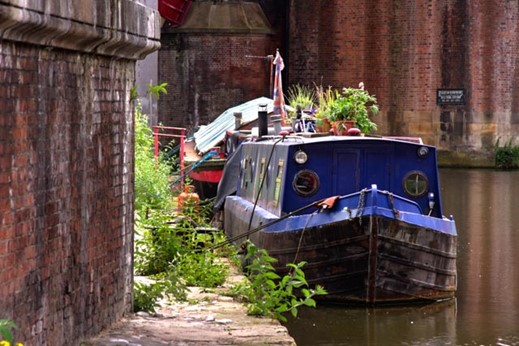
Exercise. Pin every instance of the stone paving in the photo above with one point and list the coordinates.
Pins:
(215, 319)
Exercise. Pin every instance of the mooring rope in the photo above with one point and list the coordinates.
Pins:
(259, 228)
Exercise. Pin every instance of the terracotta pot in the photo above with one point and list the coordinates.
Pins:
(341, 127)
(324, 126)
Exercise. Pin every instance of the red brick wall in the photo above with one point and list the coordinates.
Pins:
(208, 73)
(66, 192)
(404, 50)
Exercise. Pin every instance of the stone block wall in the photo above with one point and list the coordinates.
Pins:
(66, 164)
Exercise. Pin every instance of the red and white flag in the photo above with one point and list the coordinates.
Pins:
(279, 100)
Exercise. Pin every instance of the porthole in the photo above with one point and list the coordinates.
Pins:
(306, 183)
(416, 184)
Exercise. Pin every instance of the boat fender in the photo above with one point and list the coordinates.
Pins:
(353, 131)
(328, 202)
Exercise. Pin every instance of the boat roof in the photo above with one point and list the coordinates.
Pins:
(297, 140)
(209, 136)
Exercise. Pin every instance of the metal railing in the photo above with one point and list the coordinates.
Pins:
(170, 132)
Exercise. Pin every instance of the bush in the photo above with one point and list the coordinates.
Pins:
(151, 178)
(507, 157)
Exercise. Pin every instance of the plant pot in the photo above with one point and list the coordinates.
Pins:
(324, 125)
(341, 127)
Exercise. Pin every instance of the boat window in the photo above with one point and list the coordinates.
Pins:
(416, 184)
(260, 174)
(277, 188)
(306, 182)
(246, 172)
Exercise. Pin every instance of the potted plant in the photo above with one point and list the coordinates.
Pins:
(300, 98)
(325, 99)
(356, 106)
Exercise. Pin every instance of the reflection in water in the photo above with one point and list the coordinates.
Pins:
(486, 210)
(485, 205)
(432, 324)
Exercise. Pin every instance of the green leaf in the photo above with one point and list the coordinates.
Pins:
(271, 275)
(319, 290)
(6, 326)
(282, 308)
(294, 312)
(133, 93)
(310, 302)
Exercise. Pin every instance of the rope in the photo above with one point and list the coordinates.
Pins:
(302, 233)
(259, 228)
(360, 206)
(392, 204)
(198, 163)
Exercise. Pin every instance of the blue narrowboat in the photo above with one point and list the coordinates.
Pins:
(364, 212)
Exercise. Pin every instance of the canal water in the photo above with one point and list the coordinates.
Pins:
(485, 206)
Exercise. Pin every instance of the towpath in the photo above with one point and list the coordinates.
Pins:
(211, 318)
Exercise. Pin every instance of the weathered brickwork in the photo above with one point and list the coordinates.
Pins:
(404, 51)
(66, 177)
(66, 164)
(209, 73)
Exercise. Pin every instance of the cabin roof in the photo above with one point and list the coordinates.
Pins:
(298, 140)
(209, 136)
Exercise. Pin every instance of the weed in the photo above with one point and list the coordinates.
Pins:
(268, 294)
(507, 157)
(202, 269)
(174, 251)
(6, 333)
(146, 296)
(151, 178)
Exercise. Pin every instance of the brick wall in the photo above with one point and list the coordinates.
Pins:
(66, 171)
(65, 192)
(404, 50)
(209, 73)
(215, 60)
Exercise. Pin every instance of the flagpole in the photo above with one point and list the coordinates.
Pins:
(277, 94)
(270, 60)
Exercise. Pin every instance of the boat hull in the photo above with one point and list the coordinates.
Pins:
(370, 254)
(206, 182)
